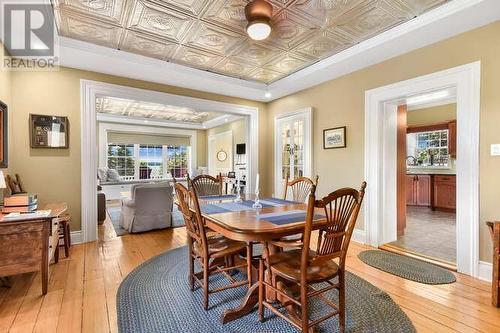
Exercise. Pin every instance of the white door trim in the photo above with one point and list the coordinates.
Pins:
(380, 157)
(306, 113)
(89, 90)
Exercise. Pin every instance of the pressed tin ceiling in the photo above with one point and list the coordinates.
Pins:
(210, 34)
(138, 109)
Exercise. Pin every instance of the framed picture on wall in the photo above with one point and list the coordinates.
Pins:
(49, 131)
(4, 145)
(334, 138)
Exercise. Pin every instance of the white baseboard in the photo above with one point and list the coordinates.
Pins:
(359, 236)
(76, 237)
(485, 271)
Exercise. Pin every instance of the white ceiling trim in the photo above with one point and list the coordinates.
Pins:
(119, 119)
(443, 22)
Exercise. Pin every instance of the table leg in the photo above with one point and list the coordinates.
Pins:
(249, 302)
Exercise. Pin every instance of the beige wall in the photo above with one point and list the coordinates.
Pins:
(201, 148)
(341, 102)
(238, 129)
(55, 174)
(432, 115)
(5, 96)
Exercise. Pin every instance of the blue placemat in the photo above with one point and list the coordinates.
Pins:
(218, 197)
(287, 217)
(224, 207)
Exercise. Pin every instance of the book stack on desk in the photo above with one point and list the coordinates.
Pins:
(20, 203)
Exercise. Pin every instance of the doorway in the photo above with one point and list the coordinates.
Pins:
(381, 108)
(91, 90)
(426, 177)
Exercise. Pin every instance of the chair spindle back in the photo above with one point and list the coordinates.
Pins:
(300, 188)
(206, 185)
(341, 209)
(193, 220)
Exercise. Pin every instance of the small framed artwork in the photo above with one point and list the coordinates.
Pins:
(334, 138)
(49, 131)
(4, 153)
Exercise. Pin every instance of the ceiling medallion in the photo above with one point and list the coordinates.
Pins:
(258, 14)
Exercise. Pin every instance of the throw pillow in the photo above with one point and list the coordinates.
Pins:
(113, 175)
(102, 174)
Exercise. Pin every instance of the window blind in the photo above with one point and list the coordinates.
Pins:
(133, 138)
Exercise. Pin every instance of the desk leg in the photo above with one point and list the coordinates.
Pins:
(44, 269)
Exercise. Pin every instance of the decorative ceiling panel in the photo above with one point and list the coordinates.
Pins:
(210, 34)
(197, 58)
(142, 44)
(138, 109)
(92, 31)
(160, 21)
(213, 39)
(110, 10)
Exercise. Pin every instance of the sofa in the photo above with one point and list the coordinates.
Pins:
(149, 207)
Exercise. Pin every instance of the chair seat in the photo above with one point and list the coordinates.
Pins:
(220, 246)
(287, 265)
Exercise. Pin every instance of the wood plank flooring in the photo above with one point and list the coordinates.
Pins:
(82, 290)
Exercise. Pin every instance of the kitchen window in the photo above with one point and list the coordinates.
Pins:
(430, 148)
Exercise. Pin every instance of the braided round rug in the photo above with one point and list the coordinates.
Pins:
(406, 267)
(155, 297)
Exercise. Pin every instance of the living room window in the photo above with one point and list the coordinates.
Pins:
(149, 161)
(178, 157)
(121, 158)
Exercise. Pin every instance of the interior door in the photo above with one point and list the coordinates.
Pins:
(293, 149)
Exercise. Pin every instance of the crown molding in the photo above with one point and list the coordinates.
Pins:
(448, 20)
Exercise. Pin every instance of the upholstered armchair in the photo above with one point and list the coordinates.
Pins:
(149, 208)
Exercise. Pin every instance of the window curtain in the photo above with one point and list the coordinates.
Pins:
(133, 138)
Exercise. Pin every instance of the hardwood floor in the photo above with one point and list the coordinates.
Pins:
(82, 290)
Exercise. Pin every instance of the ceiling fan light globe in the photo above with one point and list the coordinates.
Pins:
(258, 30)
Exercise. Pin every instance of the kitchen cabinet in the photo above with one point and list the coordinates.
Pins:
(418, 190)
(445, 192)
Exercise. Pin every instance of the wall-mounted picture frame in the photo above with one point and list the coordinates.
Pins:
(49, 131)
(334, 138)
(4, 136)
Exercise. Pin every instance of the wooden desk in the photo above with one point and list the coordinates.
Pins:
(248, 226)
(495, 281)
(30, 244)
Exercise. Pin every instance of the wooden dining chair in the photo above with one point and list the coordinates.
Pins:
(206, 185)
(304, 267)
(299, 187)
(216, 254)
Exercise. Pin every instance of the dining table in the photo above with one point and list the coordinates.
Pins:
(240, 221)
